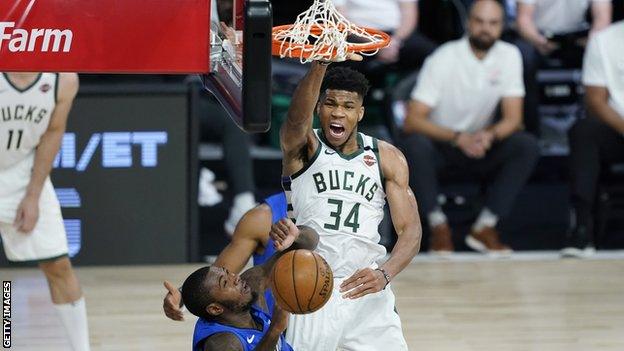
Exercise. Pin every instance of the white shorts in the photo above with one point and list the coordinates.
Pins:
(48, 240)
(369, 323)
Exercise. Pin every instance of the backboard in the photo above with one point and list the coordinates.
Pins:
(240, 62)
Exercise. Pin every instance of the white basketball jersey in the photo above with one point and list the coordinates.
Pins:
(24, 116)
(342, 197)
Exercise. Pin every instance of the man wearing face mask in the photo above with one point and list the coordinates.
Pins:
(451, 126)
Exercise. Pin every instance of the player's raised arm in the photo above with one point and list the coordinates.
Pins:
(403, 209)
(249, 235)
(296, 133)
(246, 239)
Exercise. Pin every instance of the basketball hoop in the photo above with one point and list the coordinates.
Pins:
(322, 33)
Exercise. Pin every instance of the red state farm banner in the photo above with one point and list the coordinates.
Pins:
(107, 36)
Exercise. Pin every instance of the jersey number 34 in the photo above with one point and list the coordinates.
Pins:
(351, 221)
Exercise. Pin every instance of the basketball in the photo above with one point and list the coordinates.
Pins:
(302, 281)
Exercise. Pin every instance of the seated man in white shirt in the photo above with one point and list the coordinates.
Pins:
(598, 139)
(554, 27)
(450, 125)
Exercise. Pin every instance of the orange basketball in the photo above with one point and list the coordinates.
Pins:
(302, 281)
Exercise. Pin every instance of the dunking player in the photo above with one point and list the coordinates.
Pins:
(250, 239)
(230, 307)
(338, 181)
(34, 113)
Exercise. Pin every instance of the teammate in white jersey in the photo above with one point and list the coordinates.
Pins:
(33, 114)
(338, 181)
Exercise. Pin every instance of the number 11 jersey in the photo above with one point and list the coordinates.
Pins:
(24, 116)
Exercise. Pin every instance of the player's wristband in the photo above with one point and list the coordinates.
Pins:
(386, 276)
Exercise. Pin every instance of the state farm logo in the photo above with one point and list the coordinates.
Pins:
(43, 40)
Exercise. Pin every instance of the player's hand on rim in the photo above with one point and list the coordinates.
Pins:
(172, 302)
(27, 214)
(284, 233)
(363, 282)
(350, 57)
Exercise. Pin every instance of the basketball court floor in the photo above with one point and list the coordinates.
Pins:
(534, 301)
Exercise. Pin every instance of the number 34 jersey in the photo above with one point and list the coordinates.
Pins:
(342, 197)
(24, 116)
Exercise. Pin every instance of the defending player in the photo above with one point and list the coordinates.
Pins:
(34, 109)
(250, 239)
(231, 307)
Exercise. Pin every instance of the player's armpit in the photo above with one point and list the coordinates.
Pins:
(298, 154)
(223, 342)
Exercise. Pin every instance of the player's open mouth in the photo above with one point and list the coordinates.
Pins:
(336, 130)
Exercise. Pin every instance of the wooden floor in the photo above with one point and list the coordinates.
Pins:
(470, 304)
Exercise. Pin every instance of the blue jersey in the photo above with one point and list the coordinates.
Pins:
(249, 338)
(278, 205)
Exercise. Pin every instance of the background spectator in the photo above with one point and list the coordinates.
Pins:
(216, 125)
(399, 18)
(596, 140)
(450, 124)
(554, 28)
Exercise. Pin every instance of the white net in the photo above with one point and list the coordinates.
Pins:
(322, 33)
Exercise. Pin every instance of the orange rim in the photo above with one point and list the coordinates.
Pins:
(280, 45)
